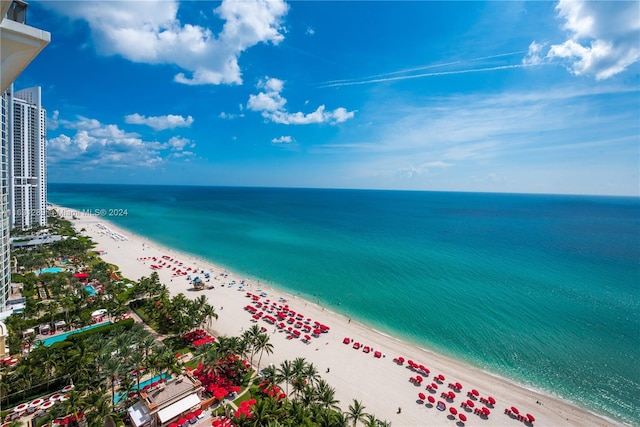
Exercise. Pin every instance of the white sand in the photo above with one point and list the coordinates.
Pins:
(380, 384)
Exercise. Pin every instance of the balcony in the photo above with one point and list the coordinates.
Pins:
(20, 43)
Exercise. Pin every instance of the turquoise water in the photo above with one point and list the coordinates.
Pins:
(49, 270)
(143, 384)
(61, 337)
(91, 290)
(538, 288)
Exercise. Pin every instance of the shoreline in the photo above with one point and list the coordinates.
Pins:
(362, 375)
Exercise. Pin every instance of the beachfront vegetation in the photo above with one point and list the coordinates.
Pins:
(106, 364)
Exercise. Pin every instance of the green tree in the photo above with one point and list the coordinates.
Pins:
(263, 345)
(356, 412)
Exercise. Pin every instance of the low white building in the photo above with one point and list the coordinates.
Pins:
(166, 403)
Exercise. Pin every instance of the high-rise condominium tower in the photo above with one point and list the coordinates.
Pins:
(19, 45)
(28, 160)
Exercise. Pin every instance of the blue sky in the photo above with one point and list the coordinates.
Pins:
(539, 97)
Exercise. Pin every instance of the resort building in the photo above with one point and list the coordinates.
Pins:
(162, 403)
(4, 351)
(19, 45)
(27, 159)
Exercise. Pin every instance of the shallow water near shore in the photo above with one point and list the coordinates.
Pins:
(538, 288)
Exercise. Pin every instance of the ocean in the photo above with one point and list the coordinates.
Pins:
(541, 289)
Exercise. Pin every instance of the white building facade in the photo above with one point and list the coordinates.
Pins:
(27, 159)
(19, 45)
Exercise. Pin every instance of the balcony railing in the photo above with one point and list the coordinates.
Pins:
(18, 11)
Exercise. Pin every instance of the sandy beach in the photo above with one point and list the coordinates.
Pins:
(380, 384)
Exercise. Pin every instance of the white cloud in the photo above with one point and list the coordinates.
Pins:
(310, 31)
(229, 116)
(603, 38)
(52, 122)
(422, 169)
(150, 32)
(283, 140)
(535, 54)
(95, 144)
(157, 123)
(271, 104)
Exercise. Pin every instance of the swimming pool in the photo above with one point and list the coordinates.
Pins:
(49, 270)
(91, 290)
(143, 384)
(61, 337)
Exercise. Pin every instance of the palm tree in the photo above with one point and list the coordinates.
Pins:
(209, 313)
(339, 420)
(326, 396)
(308, 397)
(146, 344)
(263, 411)
(263, 345)
(310, 373)
(138, 362)
(49, 363)
(112, 372)
(299, 366)
(74, 404)
(356, 412)
(285, 373)
(250, 336)
(298, 414)
(371, 421)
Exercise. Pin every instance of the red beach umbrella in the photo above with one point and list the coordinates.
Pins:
(182, 421)
(190, 416)
(441, 377)
(462, 417)
(475, 392)
(421, 396)
(515, 410)
(531, 418)
(431, 399)
(452, 395)
(491, 400)
(173, 425)
(453, 411)
(458, 386)
(470, 403)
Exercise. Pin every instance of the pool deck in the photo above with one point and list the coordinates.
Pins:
(41, 337)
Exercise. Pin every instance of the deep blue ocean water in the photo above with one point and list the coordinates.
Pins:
(542, 289)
